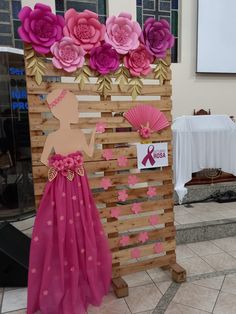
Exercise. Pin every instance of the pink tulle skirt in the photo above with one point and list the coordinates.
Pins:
(70, 261)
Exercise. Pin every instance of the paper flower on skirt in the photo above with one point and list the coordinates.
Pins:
(122, 161)
(115, 212)
(107, 154)
(100, 127)
(151, 191)
(104, 59)
(154, 220)
(135, 253)
(132, 180)
(138, 61)
(84, 28)
(66, 55)
(157, 37)
(124, 240)
(136, 208)
(122, 196)
(122, 33)
(143, 237)
(40, 27)
(105, 183)
(158, 248)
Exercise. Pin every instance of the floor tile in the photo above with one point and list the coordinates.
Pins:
(229, 284)
(14, 300)
(175, 308)
(229, 213)
(226, 304)
(204, 248)
(158, 275)
(210, 216)
(137, 279)
(180, 210)
(226, 244)
(195, 266)
(146, 312)
(182, 251)
(220, 261)
(16, 312)
(110, 305)
(187, 219)
(213, 282)
(163, 286)
(197, 297)
(143, 298)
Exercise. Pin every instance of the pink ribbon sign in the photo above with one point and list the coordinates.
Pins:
(149, 157)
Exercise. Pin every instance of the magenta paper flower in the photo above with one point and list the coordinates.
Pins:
(143, 237)
(158, 248)
(105, 183)
(136, 208)
(115, 212)
(100, 127)
(124, 240)
(104, 59)
(122, 161)
(156, 36)
(135, 253)
(122, 33)
(107, 154)
(151, 191)
(132, 180)
(84, 28)
(122, 195)
(154, 220)
(66, 55)
(68, 163)
(40, 27)
(138, 61)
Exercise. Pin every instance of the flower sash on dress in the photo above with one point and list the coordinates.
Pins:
(69, 174)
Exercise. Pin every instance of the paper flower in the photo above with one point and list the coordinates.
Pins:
(145, 131)
(84, 28)
(104, 59)
(136, 208)
(122, 161)
(122, 33)
(68, 163)
(135, 253)
(138, 61)
(40, 27)
(105, 183)
(124, 240)
(156, 36)
(154, 220)
(151, 191)
(122, 195)
(107, 154)
(115, 212)
(66, 55)
(100, 127)
(143, 237)
(132, 180)
(158, 248)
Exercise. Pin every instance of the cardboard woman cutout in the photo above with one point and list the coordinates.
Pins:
(64, 107)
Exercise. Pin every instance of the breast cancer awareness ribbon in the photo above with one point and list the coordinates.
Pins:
(149, 157)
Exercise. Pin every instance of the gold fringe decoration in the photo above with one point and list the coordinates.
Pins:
(104, 85)
(160, 71)
(122, 76)
(34, 64)
(82, 76)
(135, 88)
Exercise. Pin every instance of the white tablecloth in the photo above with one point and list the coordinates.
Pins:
(202, 142)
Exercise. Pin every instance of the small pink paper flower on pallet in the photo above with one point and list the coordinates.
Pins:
(158, 248)
(105, 183)
(122, 196)
(100, 127)
(115, 212)
(151, 192)
(122, 161)
(136, 208)
(135, 253)
(125, 240)
(132, 180)
(154, 220)
(143, 237)
(107, 154)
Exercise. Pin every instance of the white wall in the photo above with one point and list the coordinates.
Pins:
(31, 3)
(114, 7)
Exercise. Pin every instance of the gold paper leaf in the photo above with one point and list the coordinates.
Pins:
(82, 76)
(52, 173)
(104, 85)
(34, 64)
(38, 78)
(80, 171)
(160, 71)
(135, 88)
(70, 175)
(122, 77)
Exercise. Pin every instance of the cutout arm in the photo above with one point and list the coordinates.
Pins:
(89, 149)
(46, 150)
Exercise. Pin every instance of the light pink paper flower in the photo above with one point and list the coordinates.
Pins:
(124, 240)
(143, 237)
(136, 208)
(122, 195)
(107, 154)
(151, 191)
(84, 28)
(135, 253)
(158, 248)
(100, 127)
(122, 33)
(154, 220)
(115, 212)
(105, 183)
(132, 180)
(122, 161)
(66, 55)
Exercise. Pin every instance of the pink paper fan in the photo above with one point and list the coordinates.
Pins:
(146, 119)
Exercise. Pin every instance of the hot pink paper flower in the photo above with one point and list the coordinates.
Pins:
(107, 154)
(143, 237)
(115, 212)
(154, 220)
(68, 163)
(104, 59)
(156, 36)
(122, 195)
(132, 180)
(40, 27)
(124, 240)
(122, 33)
(66, 55)
(138, 61)
(84, 28)
(151, 191)
(122, 161)
(100, 127)
(105, 183)
(158, 248)
(136, 208)
(145, 131)
(135, 253)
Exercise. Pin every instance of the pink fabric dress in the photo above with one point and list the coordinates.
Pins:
(70, 261)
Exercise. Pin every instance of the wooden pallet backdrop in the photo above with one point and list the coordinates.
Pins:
(122, 143)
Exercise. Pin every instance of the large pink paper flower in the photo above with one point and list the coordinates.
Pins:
(122, 33)
(156, 36)
(138, 61)
(104, 59)
(84, 28)
(40, 27)
(66, 55)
